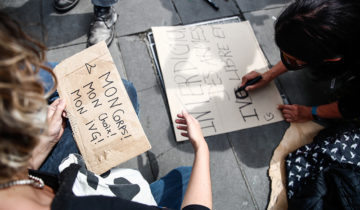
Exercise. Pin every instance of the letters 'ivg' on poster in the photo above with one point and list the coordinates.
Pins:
(201, 67)
(104, 123)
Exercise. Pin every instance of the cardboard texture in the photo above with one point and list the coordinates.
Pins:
(296, 136)
(201, 67)
(104, 123)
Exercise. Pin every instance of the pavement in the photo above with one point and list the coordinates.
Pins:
(239, 160)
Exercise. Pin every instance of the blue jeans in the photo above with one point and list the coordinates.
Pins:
(169, 190)
(104, 3)
(67, 144)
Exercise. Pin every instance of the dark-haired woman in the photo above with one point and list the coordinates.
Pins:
(323, 35)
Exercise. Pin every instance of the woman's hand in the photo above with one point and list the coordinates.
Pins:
(192, 129)
(296, 113)
(56, 124)
(52, 135)
(249, 76)
(267, 77)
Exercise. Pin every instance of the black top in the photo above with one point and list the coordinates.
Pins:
(66, 200)
(349, 98)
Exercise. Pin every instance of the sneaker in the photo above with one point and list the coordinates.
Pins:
(103, 26)
(64, 5)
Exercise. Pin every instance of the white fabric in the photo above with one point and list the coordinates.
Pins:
(82, 188)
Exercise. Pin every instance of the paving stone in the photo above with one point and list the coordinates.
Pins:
(260, 185)
(141, 15)
(252, 5)
(117, 57)
(59, 54)
(263, 24)
(155, 120)
(229, 189)
(27, 13)
(68, 28)
(196, 11)
(254, 148)
(24, 11)
(137, 62)
(142, 164)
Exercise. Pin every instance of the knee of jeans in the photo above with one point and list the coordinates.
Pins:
(129, 85)
(130, 89)
(184, 169)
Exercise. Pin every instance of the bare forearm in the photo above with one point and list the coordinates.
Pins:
(276, 70)
(40, 153)
(329, 111)
(199, 187)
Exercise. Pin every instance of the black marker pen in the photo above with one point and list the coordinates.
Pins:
(212, 4)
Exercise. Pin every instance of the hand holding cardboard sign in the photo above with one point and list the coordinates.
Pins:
(55, 120)
(104, 123)
(52, 134)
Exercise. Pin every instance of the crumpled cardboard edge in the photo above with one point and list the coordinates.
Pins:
(296, 136)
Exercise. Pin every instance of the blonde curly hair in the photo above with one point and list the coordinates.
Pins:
(22, 96)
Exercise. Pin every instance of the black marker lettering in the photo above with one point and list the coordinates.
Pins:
(89, 67)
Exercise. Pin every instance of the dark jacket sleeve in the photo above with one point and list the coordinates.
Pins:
(349, 99)
(349, 106)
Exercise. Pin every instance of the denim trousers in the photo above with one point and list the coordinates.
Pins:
(168, 191)
(104, 3)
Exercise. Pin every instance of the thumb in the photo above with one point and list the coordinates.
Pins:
(281, 106)
(52, 108)
(185, 114)
(59, 110)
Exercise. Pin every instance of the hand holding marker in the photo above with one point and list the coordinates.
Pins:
(241, 92)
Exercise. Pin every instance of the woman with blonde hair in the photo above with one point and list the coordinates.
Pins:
(30, 129)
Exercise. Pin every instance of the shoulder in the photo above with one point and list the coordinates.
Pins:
(18, 203)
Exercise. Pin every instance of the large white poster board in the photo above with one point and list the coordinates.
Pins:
(201, 67)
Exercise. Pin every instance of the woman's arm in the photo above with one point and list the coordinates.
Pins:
(54, 131)
(268, 76)
(300, 113)
(199, 187)
(329, 111)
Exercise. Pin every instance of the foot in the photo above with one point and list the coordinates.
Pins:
(103, 26)
(64, 5)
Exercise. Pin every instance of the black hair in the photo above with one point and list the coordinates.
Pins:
(314, 30)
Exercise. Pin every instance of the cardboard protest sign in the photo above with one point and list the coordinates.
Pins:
(201, 67)
(104, 123)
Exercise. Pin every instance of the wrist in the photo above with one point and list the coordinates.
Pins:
(312, 112)
(268, 76)
(201, 147)
(47, 141)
